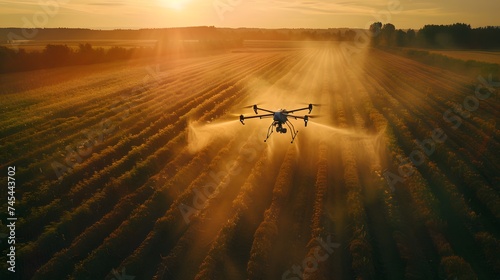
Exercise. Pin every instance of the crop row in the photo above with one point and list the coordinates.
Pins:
(131, 113)
(267, 232)
(426, 211)
(114, 152)
(113, 183)
(419, 192)
(174, 208)
(447, 153)
(212, 264)
(213, 214)
(173, 213)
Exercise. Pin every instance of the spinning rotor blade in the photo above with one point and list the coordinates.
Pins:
(296, 117)
(305, 118)
(256, 108)
(314, 116)
(296, 110)
(310, 107)
(314, 104)
(249, 106)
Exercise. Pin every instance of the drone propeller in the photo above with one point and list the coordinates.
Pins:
(311, 105)
(314, 116)
(251, 106)
(314, 104)
(293, 115)
(254, 107)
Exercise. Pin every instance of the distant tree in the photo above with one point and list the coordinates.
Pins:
(6, 59)
(349, 35)
(427, 35)
(401, 38)
(118, 53)
(486, 37)
(461, 34)
(25, 60)
(85, 49)
(389, 34)
(86, 54)
(57, 55)
(410, 35)
(446, 36)
(375, 29)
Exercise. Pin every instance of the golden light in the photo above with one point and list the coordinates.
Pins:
(177, 5)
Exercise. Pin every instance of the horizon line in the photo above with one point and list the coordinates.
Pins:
(222, 27)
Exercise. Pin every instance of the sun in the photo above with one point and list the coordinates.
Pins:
(176, 5)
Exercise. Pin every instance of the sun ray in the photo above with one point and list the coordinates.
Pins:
(176, 5)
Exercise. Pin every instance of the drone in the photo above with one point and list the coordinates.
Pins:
(279, 119)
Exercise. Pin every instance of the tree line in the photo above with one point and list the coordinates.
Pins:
(51, 56)
(458, 35)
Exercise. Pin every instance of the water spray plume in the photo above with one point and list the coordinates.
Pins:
(326, 130)
(202, 135)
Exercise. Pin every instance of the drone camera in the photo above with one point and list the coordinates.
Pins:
(242, 118)
(281, 130)
(310, 108)
(255, 109)
(306, 119)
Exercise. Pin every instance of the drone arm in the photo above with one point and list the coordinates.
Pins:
(296, 110)
(310, 107)
(255, 108)
(305, 118)
(242, 118)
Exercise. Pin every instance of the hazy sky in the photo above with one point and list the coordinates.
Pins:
(244, 13)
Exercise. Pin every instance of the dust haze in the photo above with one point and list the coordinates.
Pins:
(296, 87)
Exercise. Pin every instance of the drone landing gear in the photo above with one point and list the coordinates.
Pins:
(282, 130)
(293, 132)
(269, 131)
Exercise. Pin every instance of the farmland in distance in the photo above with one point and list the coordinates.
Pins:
(483, 56)
(142, 168)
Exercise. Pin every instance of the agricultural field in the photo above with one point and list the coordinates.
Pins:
(142, 170)
(39, 45)
(482, 56)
